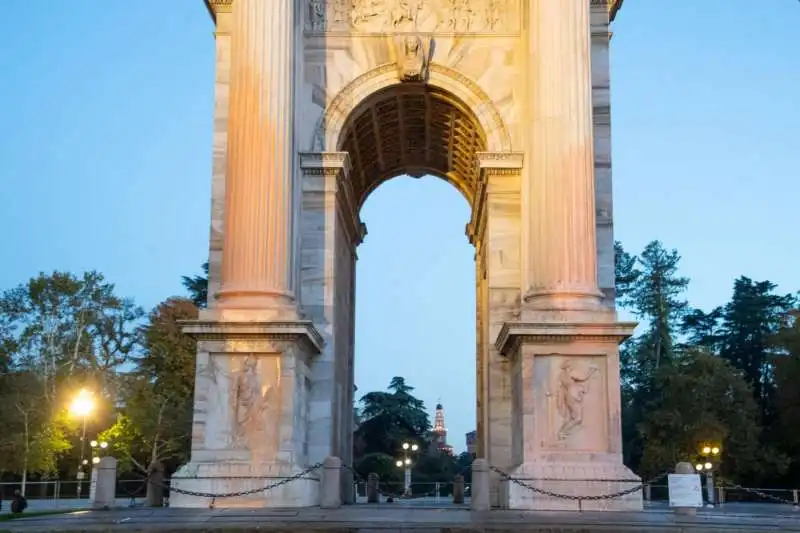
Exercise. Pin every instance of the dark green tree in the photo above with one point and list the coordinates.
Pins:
(787, 395)
(703, 330)
(389, 418)
(197, 286)
(700, 398)
(626, 274)
(657, 297)
(750, 323)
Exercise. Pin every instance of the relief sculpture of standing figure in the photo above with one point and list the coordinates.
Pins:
(572, 387)
(249, 403)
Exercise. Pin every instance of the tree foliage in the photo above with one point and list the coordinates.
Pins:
(197, 286)
(389, 418)
(692, 376)
(155, 424)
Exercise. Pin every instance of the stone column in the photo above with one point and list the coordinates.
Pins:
(258, 247)
(562, 260)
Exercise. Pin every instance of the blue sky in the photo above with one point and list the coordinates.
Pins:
(105, 151)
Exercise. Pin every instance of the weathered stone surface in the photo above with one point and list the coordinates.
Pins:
(310, 118)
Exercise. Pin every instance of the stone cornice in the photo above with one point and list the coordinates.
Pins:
(337, 167)
(613, 7)
(490, 164)
(218, 6)
(514, 334)
(302, 331)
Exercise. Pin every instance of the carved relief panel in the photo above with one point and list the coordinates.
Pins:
(402, 16)
(245, 397)
(571, 396)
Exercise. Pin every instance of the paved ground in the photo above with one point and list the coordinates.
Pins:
(765, 508)
(387, 518)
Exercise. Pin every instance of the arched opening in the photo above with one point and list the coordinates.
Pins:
(414, 129)
(416, 265)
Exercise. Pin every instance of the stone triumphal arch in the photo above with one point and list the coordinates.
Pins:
(318, 102)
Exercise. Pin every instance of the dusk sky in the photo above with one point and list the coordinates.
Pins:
(105, 163)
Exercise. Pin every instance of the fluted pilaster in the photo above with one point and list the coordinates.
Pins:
(562, 258)
(258, 247)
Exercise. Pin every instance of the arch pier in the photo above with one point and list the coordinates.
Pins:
(516, 117)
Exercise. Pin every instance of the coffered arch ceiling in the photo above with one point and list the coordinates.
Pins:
(415, 129)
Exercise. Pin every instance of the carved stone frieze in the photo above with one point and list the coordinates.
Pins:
(413, 16)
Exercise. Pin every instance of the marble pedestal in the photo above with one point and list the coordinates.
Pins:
(250, 427)
(566, 406)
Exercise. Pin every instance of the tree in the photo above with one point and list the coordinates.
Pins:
(750, 323)
(155, 425)
(657, 296)
(69, 329)
(626, 273)
(389, 418)
(704, 329)
(700, 398)
(33, 435)
(787, 394)
(198, 287)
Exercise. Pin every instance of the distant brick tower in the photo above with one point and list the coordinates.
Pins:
(439, 432)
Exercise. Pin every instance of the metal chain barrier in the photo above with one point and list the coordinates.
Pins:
(580, 499)
(248, 492)
(385, 494)
(764, 495)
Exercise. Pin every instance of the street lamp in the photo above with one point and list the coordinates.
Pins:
(709, 460)
(405, 462)
(82, 406)
(97, 447)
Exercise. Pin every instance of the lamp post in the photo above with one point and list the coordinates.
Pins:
(709, 460)
(405, 462)
(82, 406)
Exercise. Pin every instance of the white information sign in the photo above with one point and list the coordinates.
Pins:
(685, 490)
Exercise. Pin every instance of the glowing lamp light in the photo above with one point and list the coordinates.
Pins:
(399, 464)
(82, 405)
(86, 461)
(414, 447)
(707, 450)
(698, 467)
(715, 450)
(408, 461)
(104, 445)
(93, 444)
(95, 460)
(405, 445)
(708, 466)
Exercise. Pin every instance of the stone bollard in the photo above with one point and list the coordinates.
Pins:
(480, 486)
(372, 488)
(458, 489)
(106, 483)
(685, 468)
(331, 484)
(155, 485)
